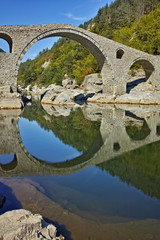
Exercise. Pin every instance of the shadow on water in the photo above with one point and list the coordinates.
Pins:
(61, 229)
(11, 202)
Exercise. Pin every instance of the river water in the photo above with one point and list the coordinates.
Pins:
(93, 171)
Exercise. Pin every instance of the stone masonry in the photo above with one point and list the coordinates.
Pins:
(114, 59)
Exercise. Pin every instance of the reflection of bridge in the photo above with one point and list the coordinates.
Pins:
(114, 59)
(115, 142)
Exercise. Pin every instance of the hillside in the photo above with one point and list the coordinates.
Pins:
(135, 23)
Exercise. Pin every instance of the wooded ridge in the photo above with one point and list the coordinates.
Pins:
(135, 23)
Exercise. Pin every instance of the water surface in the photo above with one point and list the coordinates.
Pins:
(95, 171)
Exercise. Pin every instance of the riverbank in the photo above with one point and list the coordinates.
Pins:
(72, 226)
(22, 224)
(138, 91)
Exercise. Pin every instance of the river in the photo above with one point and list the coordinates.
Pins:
(93, 171)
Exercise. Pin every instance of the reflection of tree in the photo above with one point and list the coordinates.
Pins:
(140, 168)
(74, 130)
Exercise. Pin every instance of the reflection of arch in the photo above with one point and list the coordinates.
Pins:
(137, 133)
(10, 166)
(75, 34)
(68, 164)
(7, 38)
(99, 152)
(119, 53)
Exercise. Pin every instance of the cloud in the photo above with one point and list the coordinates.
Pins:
(71, 16)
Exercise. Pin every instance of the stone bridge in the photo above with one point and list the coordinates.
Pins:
(114, 59)
(115, 142)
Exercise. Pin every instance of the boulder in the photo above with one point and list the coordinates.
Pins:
(63, 99)
(22, 224)
(101, 98)
(28, 88)
(59, 96)
(68, 83)
(139, 98)
(92, 83)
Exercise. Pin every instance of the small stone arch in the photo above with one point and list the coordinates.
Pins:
(87, 41)
(147, 65)
(8, 39)
(119, 53)
(148, 68)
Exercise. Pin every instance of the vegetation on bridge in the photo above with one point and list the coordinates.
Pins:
(135, 23)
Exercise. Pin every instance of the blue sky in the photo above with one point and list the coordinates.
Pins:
(21, 12)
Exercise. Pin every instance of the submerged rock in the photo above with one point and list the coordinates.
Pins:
(22, 224)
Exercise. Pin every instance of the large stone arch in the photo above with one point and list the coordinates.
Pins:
(8, 39)
(87, 41)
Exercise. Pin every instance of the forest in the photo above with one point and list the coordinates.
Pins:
(135, 23)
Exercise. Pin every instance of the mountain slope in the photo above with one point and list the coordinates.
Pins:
(135, 23)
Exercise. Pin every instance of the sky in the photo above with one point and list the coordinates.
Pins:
(25, 12)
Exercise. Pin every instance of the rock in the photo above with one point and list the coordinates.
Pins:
(59, 96)
(101, 98)
(139, 98)
(68, 83)
(63, 99)
(92, 83)
(22, 224)
(2, 201)
(46, 64)
(28, 88)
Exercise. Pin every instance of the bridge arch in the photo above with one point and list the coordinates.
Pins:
(148, 75)
(119, 53)
(8, 39)
(77, 35)
(147, 65)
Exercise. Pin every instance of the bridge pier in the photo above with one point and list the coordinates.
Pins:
(7, 70)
